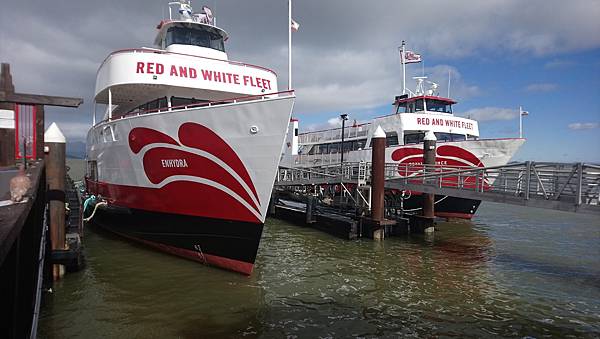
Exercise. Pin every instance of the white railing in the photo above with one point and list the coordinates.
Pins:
(350, 132)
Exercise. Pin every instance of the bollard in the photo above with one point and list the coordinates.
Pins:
(55, 177)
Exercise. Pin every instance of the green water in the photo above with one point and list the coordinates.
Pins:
(512, 272)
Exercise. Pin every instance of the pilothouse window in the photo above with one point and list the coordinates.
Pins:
(194, 37)
(414, 138)
(438, 106)
(419, 105)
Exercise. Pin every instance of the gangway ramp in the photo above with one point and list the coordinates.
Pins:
(573, 187)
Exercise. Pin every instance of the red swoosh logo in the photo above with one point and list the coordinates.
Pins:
(447, 155)
(195, 164)
(199, 137)
(141, 136)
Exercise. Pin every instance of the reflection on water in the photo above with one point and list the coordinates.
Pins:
(522, 272)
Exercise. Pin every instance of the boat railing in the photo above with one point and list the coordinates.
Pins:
(334, 134)
(160, 51)
(205, 104)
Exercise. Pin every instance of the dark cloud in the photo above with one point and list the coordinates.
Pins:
(345, 54)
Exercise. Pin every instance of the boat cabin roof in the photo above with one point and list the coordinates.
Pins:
(402, 99)
(164, 26)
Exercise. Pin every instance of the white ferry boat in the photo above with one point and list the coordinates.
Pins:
(414, 114)
(187, 152)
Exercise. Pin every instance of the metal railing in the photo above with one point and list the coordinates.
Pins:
(350, 132)
(555, 183)
(235, 100)
(578, 183)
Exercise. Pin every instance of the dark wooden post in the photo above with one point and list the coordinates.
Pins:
(310, 209)
(7, 127)
(429, 149)
(378, 181)
(377, 174)
(55, 178)
(428, 162)
(39, 131)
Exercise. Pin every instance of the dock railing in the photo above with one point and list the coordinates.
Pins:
(563, 186)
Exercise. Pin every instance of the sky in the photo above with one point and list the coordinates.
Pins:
(542, 55)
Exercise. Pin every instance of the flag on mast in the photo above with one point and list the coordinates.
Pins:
(294, 25)
(410, 57)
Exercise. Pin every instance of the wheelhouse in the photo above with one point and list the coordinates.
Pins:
(191, 34)
(423, 103)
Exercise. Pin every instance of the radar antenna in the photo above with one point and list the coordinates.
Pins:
(433, 90)
(206, 17)
(420, 90)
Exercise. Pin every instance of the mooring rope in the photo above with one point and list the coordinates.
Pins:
(102, 203)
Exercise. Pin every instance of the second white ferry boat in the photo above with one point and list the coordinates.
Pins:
(414, 114)
(185, 157)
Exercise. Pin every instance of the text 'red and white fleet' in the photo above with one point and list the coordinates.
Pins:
(187, 152)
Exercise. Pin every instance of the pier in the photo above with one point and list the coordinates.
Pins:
(558, 186)
(32, 227)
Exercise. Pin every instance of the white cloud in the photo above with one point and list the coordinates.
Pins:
(491, 113)
(578, 126)
(345, 80)
(541, 87)
(459, 90)
(334, 122)
(340, 64)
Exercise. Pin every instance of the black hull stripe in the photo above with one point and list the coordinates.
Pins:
(223, 238)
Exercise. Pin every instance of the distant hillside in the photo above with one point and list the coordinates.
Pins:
(76, 150)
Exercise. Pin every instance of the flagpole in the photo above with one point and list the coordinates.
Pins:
(289, 45)
(448, 84)
(520, 122)
(403, 69)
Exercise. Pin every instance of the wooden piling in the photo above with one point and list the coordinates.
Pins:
(429, 150)
(377, 174)
(376, 223)
(7, 126)
(310, 209)
(55, 177)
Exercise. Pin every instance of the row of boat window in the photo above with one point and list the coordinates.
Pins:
(161, 103)
(417, 138)
(105, 134)
(417, 106)
(194, 37)
(390, 140)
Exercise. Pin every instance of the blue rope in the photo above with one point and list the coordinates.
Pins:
(90, 200)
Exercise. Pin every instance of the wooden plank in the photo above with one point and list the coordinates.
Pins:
(35, 99)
